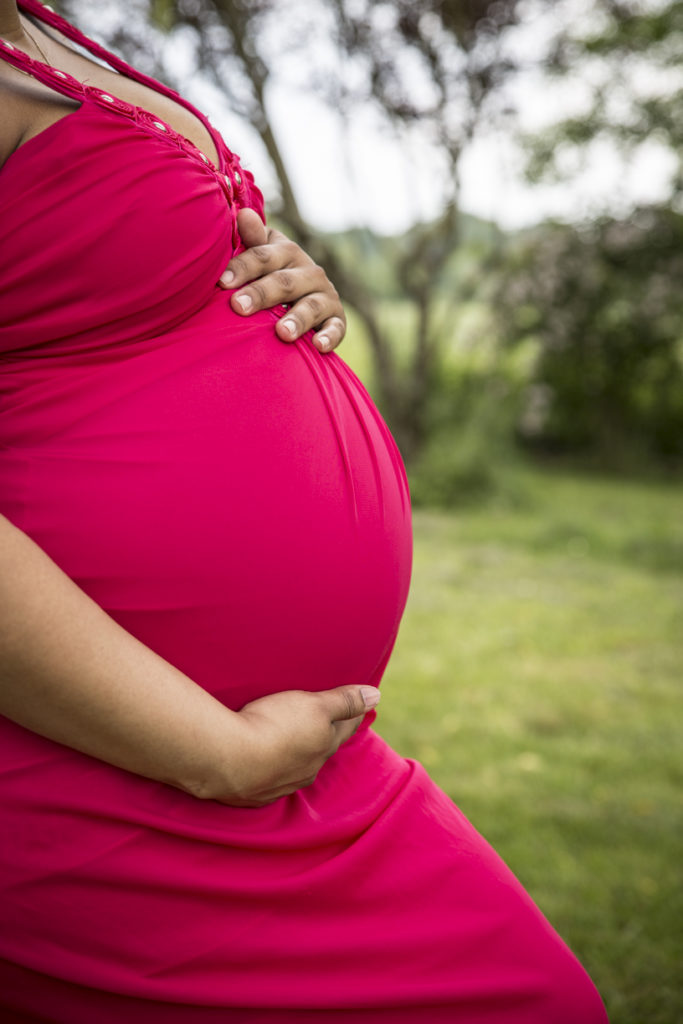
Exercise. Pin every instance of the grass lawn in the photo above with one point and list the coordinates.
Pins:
(538, 678)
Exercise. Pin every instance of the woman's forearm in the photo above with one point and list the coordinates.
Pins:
(69, 672)
(72, 674)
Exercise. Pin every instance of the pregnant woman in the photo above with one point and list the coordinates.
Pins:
(205, 556)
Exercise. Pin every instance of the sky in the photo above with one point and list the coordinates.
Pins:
(389, 183)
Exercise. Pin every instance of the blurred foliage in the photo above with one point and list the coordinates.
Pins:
(627, 55)
(600, 303)
(469, 447)
(603, 306)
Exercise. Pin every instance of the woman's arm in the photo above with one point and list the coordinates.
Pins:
(69, 672)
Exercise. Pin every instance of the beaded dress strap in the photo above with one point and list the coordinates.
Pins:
(43, 72)
(65, 84)
(49, 16)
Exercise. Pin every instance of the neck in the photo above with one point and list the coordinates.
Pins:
(10, 25)
(13, 30)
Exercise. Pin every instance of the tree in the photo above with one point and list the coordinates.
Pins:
(627, 54)
(602, 300)
(454, 49)
(604, 305)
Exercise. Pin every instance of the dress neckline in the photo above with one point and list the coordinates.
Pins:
(64, 83)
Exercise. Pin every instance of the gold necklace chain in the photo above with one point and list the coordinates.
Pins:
(35, 43)
(45, 60)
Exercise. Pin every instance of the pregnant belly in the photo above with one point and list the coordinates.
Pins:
(236, 503)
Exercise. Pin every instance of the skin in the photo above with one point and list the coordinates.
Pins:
(278, 270)
(72, 674)
(272, 271)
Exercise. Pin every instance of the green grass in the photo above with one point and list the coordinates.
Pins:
(538, 678)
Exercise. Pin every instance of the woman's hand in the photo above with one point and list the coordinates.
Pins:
(71, 673)
(277, 270)
(284, 740)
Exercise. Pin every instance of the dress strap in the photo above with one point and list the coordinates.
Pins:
(237, 184)
(50, 17)
(57, 80)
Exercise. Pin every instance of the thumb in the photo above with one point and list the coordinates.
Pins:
(347, 702)
(251, 228)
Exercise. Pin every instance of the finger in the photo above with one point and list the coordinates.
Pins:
(311, 311)
(268, 251)
(347, 702)
(343, 731)
(281, 286)
(270, 795)
(330, 334)
(250, 264)
(251, 228)
(253, 233)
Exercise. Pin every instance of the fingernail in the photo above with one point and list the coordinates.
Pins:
(370, 695)
(244, 302)
(226, 278)
(323, 342)
(289, 327)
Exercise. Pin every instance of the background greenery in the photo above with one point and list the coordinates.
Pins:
(537, 676)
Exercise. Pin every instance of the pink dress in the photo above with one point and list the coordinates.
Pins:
(238, 505)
